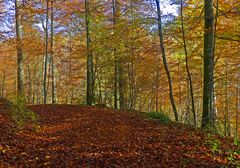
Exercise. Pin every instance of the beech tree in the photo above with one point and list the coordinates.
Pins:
(208, 63)
(18, 17)
(160, 33)
(90, 83)
(46, 55)
(187, 66)
(52, 53)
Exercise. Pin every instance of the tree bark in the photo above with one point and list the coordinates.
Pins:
(157, 83)
(89, 97)
(46, 56)
(29, 82)
(52, 55)
(3, 83)
(187, 66)
(237, 109)
(121, 87)
(19, 50)
(212, 103)
(160, 33)
(116, 65)
(208, 62)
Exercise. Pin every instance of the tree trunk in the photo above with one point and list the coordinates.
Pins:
(157, 84)
(116, 63)
(34, 83)
(19, 50)
(29, 82)
(3, 83)
(115, 83)
(89, 97)
(226, 109)
(99, 81)
(212, 103)
(237, 109)
(46, 57)
(121, 88)
(187, 66)
(52, 55)
(208, 62)
(160, 33)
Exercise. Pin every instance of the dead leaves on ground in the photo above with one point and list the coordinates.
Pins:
(73, 136)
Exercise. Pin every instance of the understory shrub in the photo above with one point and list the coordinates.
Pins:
(160, 116)
(100, 105)
(217, 149)
(21, 115)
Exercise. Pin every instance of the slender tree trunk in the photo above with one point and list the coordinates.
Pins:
(116, 64)
(49, 72)
(180, 89)
(3, 83)
(29, 82)
(115, 84)
(131, 82)
(226, 109)
(19, 50)
(160, 32)
(157, 84)
(39, 93)
(212, 103)
(237, 109)
(121, 88)
(131, 73)
(69, 68)
(34, 83)
(98, 72)
(89, 97)
(187, 66)
(52, 55)
(208, 62)
(46, 56)
(121, 81)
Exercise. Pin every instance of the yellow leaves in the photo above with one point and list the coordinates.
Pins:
(4, 150)
(47, 157)
(23, 154)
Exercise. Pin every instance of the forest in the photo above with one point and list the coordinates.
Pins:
(122, 62)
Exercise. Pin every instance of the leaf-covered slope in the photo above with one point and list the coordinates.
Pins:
(73, 136)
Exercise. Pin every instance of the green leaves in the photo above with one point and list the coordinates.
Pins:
(159, 116)
(21, 115)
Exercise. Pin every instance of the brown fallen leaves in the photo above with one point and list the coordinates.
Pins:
(73, 136)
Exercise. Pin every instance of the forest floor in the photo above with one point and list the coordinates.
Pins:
(74, 136)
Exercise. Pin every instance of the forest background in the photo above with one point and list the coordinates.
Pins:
(109, 52)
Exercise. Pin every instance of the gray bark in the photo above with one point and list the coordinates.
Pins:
(52, 55)
(46, 57)
(116, 64)
(3, 83)
(212, 103)
(187, 66)
(90, 95)
(19, 50)
(237, 109)
(160, 33)
(208, 62)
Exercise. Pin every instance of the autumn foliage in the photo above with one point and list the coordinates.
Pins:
(127, 55)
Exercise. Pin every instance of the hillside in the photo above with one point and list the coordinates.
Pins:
(74, 136)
